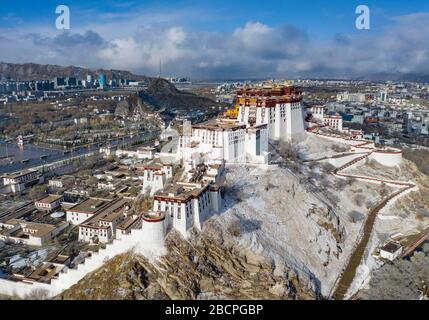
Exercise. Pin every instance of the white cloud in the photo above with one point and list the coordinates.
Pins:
(253, 50)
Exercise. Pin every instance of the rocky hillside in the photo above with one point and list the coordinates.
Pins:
(32, 71)
(161, 94)
(210, 266)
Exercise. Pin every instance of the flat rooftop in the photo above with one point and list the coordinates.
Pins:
(40, 229)
(109, 212)
(20, 174)
(127, 223)
(49, 199)
(392, 247)
(181, 191)
(90, 205)
(216, 125)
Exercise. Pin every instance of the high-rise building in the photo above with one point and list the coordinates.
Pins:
(383, 96)
(59, 83)
(102, 80)
(71, 82)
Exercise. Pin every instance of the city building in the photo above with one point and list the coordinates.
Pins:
(49, 203)
(333, 121)
(62, 182)
(18, 182)
(30, 233)
(101, 226)
(102, 81)
(86, 209)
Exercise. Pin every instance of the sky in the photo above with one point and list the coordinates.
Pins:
(222, 39)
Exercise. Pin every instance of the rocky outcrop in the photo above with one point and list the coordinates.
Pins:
(208, 266)
(161, 94)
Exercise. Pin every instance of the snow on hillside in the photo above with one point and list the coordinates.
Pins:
(308, 219)
(315, 148)
(281, 219)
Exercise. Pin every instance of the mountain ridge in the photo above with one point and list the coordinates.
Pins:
(35, 71)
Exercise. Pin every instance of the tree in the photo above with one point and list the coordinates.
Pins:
(328, 167)
(383, 190)
(355, 216)
(288, 151)
(350, 181)
(38, 294)
(359, 199)
(37, 192)
(402, 280)
(339, 148)
(340, 184)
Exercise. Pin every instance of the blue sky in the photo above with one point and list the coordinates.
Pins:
(109, 28)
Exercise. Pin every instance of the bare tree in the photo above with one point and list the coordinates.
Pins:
(38, 294)
(383, 190)
(328, 167)
(350, 181)
(340, 184)
(359, 199)
(288, 151)
(402, 280)
(339, 148)
(355, 216)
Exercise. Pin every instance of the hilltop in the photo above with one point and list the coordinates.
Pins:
(161, 94)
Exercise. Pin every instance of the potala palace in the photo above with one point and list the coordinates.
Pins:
(272, 112)
(187, 189)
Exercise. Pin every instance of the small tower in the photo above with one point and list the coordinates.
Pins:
(154, 227)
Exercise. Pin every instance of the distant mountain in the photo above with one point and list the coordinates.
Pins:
(412, 77)
(33, 71)
(161, 94)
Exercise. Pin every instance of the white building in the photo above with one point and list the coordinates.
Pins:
(140, 153)
(102, 225)
(87, 209)
(30, 233)
(155, 176)
(391, 251)
(317, 112)
(18, 182)
(227, 140)
(351, 97)
(187, 204)
(335, 122)
(127, 225)
(62, 182)
(278, 107)
(49, 203)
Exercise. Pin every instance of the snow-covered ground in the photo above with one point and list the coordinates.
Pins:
(314, 147)
(304, 220)
(291, 224)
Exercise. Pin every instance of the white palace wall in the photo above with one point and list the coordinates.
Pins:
(142, 241)
(388, 159)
